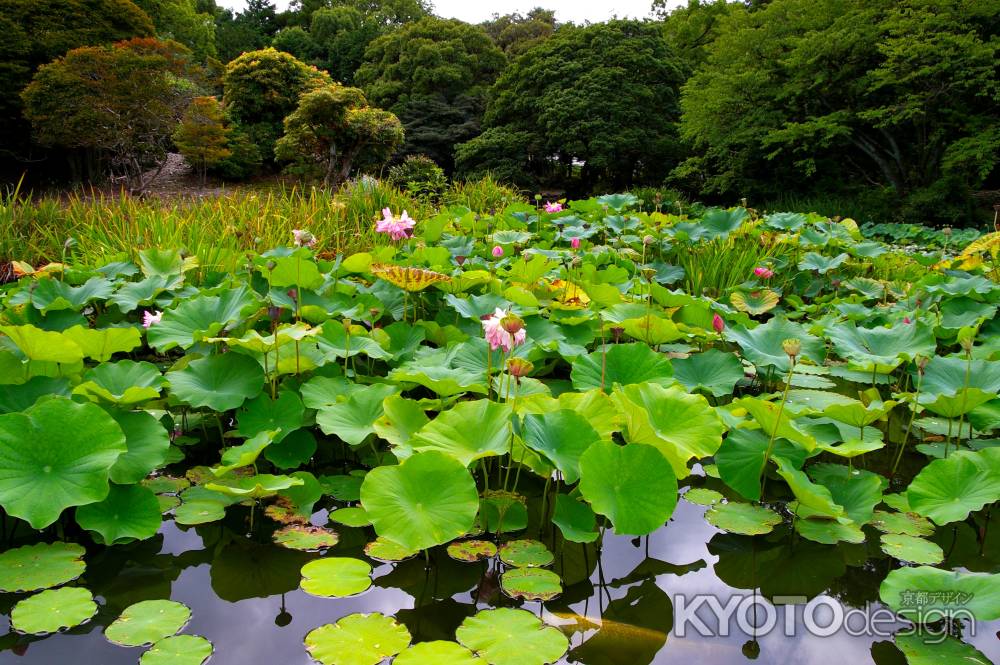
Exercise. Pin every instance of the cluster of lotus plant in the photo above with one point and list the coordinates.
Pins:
(426, 389)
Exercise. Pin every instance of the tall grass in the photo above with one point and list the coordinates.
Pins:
(485, 195)
(715, 267)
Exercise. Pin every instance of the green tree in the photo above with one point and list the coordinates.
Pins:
(262, 88)
(181, 21)
(248, 30)
(898, 94)
(202, 136)
(516, 33)
(434, 74)
(298, 42)
(341, 35)
(334, 129)
(604, 96)
(120, 103)
(692, 29)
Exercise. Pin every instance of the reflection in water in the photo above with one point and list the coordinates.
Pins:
(619, 605)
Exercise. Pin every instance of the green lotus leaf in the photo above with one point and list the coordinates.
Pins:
(261, 414)
(357, 639)
(200, 505)
(903, 523)
(652, 329)
(293, 450)
(713, 371)
(178, 650)
(336, 577)
(130, 295)
(857, 491)
(622, 364)
(472, 550)
(702, 496)
(124, 382)
(165, 262)
(445, 381)
(167, 502)
(129, 512)
(511, 637)
(630, 485)
(774, 421)
(148, 622)
(322, 391)
(437, 652)
(885, 348)
(954, 406)
(40, 566)
(743, 518)
(947, 376)
(719, 223)
(531, 584)
(219, 382)
(55, 455)
(429, 499)
(785, 221)
(451, 434)
(387, 551)
(763, 345)
(525, 554)
(259, 486)
(148, 444)
(755, 302)
(53, 295)
(575, 519)
(101, 344)
(402, 418)
(822, 264)
(561, 436)
(201, 317)
(39, 345)
(911, 592)
(814, 497)
(343, 488)
(353, 420)
(261, 345)
(244, 454)
(351, 516)
(305, 538)
(947, 490)
(826, 531)
(741, 458)
(53, 610)
(503, 512)
(912, 549)
(21, 397)
(932, 650)
(680, 425)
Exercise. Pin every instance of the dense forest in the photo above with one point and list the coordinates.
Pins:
(891, 104)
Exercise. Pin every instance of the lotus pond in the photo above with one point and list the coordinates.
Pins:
(583, 434)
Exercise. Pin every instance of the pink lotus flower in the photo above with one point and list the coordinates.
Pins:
(906, 319)
(718, 324)
(303, 238)
(497, 335)
(397, 227)
(763, 272)
(497, 252)
(553, 206)
(151, 318)
(575, 243)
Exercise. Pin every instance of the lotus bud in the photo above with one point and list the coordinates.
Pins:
(648, 240)
(270, 265)
(946, 231)
(519, 367)
(921, 363)
(576, 262)
(718, 324)
(538, 197)
(460, 260)
(373, 313)
(967, 344)
(293, 294)
(575, 243)
(347, 323)
(273, 312)
(792, 347)
(512, 323)
(648, 273)
(617, 333)
(497, 251)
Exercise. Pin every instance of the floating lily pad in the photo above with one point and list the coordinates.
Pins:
(148, 622)
(167, 502)
(829, 531)
(525, 554)
(932, 650)
(907, 524)
(912, 549)
(336, 577)
(531, 584)
(351, 516)
(357, 639)
(129, 512)
(702, 496)
(512, 637)
(178, 650)
(743, 518)
(166, 484)
(472, 550)
(342, 488)
(575, 519)
(977, 593)
(438, 652)
(53, 610)
(383, 549)
(305, 538)
(254, 487)
(40, 566)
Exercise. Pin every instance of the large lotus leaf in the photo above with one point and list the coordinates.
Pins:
(531, 584)
(743, 518)
(357, 639)
(178, 650)
(195, 319)
(594, 405)
(101, 344)
(40, 566)
(200, 505)
(622, 364)
(763, 345)
(562, 436)
(947, 490)
(335, 343)
(444, 381)
(261, 414)
(42, 345)
(437, 652)
(821, 529)
(402, 418)
(321, 391)
(575, 519)
(741, 457)
(680, 425)
(816, 498)
(912, 549)
(719, 223)
(932, 650)
(912, 592)
(144, 292)
(165, 262)
(260, 486)
(254, 342)
(947, 376)
(965, 312)
(124, 383)
(148, 443)
(130, 512)
(293, 451)
(822, 264)
(631, 485)
(884, 348)
(468, 431)
(652, 329)
(55, 455)
(244, 454)
(354, 419)
(713, 371)
(855, 490)
(19, 397)
(785, 221)
(50, 295)
(219, 382)
(336, 577)
(774, 420)
(53, 610)
(148, 622)
(511, 637)
(756, 302)
(429, 499)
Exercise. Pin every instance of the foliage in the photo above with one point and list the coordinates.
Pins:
(202, 136)
(516, 33)
(420, 177)
(180, 21)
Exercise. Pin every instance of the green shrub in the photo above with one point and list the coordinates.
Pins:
(419, 177)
